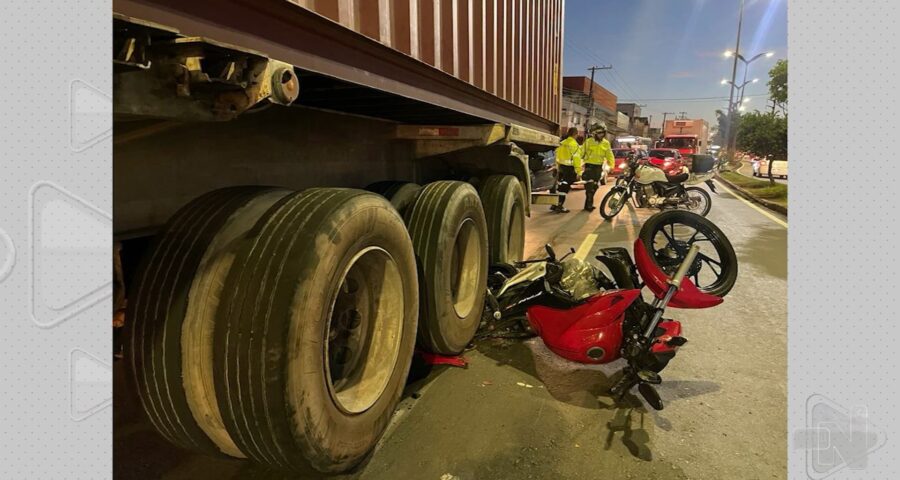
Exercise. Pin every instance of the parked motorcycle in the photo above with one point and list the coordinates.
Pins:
(652, 185)
(585, 316)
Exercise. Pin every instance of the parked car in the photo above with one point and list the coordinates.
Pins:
(666, 158)
(622, 155)
(543, 171)
(761, 168)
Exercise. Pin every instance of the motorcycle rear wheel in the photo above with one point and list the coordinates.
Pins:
(704, 200)
(668, 236)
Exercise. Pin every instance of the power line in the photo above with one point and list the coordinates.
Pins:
(687, 99)
(615, 80)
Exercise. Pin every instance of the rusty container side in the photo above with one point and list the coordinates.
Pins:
(508, 48)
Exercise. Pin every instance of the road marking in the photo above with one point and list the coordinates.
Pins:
(585, 248)
(754, 206)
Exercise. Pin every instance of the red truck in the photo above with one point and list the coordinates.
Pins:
(687, 136)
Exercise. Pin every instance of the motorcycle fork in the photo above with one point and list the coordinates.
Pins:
(635, 374)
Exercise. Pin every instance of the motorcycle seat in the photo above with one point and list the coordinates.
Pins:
(677, 178)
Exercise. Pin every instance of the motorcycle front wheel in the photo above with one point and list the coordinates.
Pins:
(697, 201)
(613, 202)
(669, 235)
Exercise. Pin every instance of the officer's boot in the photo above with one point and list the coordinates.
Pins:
(590, 188)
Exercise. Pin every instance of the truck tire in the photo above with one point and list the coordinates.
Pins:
(317, 333)
(400, 194)
(171, 315)
(449, 235)
(504, 211)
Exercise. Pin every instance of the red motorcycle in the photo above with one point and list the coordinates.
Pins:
(585, 316)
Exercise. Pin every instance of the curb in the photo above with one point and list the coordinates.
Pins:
(771, 206)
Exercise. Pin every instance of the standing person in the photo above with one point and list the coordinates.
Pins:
(568, 157)
(598, 162)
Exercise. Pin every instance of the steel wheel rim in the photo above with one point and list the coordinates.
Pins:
(465, 267)
(515, 244)
(362, 337)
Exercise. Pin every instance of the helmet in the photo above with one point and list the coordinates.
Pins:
(598, 127)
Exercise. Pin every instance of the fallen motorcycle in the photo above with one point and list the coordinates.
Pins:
(651, 185)
(585, 316)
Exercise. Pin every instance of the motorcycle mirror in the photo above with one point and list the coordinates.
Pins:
(550, 252)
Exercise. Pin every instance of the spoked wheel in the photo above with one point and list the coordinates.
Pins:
(613, 202)
(698, 201)
(669, 235)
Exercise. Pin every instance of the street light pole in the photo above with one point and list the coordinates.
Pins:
(737, 50)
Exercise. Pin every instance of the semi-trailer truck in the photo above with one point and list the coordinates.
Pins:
(688, 136)
(306, 191)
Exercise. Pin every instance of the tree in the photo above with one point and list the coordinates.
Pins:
(778, 91)
(721, 127)
(764, 135)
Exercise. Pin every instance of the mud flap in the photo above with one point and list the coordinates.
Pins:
(712, 186)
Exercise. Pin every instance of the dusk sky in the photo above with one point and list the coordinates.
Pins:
(672, 49)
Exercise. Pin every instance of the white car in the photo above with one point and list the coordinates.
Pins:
(761, 168)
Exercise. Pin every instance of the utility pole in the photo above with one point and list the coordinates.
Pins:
(737, 51)
(682, 115)
(662, 129)
(590, 114)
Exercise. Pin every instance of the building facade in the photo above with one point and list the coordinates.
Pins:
(577, 98)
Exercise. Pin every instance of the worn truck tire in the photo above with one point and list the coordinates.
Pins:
(400, 194)
(317, 333)
(449, 235)
(504, 211)
(171, 314)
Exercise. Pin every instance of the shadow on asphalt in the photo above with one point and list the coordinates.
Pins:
(586, 386)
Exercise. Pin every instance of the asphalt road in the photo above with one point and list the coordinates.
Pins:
(747, 170)
(520, 412)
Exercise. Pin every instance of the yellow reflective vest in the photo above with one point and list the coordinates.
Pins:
(598, 153)
(569, 153)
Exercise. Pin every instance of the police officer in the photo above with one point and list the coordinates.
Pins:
(598, 162)
(568, 156)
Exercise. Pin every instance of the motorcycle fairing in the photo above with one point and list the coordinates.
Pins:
(595, 326)
(687, 296)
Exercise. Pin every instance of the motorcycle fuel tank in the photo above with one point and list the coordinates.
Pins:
(588, 333)
(647, 174)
